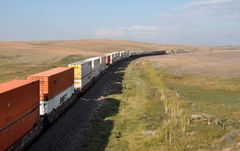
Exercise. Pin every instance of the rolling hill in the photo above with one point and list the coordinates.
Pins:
(19, 59)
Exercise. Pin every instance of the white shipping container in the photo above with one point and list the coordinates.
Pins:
(95, 62)
(103, 63)
(141, 52)
(133, 53)
(118, 55)
(96, 66)
(115, 58)
(103, 60)
(122, 54)
(47, 107)
(127, 54)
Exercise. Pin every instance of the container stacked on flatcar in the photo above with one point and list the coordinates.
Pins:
(133, 53)
(19, 110)
(103, 63)
(96, 66)
(125, 54)
(113, 58)
(110, 59)
(82, 74)
(128, 54)
(56, 87)
(122, 54)
(118, 56)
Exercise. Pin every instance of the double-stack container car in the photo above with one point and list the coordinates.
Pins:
(96, 66)
(127, 54)
(56, 87)
(19, 110)
(82, 74)
(134, 53)
(103, 63)
(122, 54)
(110, 59)
(117, 56)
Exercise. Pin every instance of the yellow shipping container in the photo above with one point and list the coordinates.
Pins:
(81, 69)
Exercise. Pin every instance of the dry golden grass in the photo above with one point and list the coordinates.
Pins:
(18, 59)
(157, 110)
(217, 63)
(82, 47)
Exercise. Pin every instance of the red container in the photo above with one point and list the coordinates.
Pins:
(108, 59)
(54, 81)
(16, 98)
(19, 110)
(14, 132)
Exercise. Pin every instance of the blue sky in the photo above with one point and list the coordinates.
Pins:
(207, 22)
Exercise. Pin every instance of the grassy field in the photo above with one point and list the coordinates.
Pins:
(163, 110)
(176, 102)
(18, 59)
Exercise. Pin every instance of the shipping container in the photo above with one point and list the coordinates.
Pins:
(118, 56)
(110, 58)
(16, 98)
(82, 73)
(54, 81)
(56, 86)
(96, 66)
(127, 54)
(115, 57)
(17, 130)
(19, 110)
(80, 84)
(134, 53)
(81, 68)
(122, 54)
(103, 62)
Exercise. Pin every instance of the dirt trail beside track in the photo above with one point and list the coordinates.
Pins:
(70, 130)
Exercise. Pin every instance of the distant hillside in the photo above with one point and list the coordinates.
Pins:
(81, 47)
(228, 47)
(18, 59)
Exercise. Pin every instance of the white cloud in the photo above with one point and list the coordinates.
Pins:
(130, 32)
(209, 3)
(219, 8)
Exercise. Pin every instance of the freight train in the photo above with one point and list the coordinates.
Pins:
(28, 107)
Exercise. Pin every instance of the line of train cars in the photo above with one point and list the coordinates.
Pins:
(28, 106)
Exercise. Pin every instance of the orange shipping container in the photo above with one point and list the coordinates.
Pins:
(18, 100)
(54, 81)
(17, 130)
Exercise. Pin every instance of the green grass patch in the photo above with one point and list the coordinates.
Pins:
(15, 70)
(156, 111)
